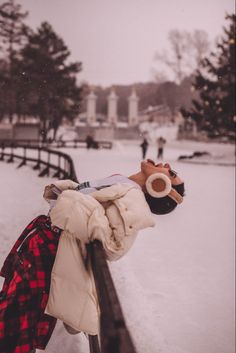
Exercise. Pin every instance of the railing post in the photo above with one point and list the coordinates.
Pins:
(58, 172)
(49, 157)
(93, 344)
(2, 152)
(37, 166)
(45, 171)
(65, 169)
(11, 159)
(71, 169)
(24, 158)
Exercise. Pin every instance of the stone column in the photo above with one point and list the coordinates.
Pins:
(112, 108)
(91, 108)
(133, 109)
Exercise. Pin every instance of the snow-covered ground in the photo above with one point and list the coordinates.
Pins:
(176, 285)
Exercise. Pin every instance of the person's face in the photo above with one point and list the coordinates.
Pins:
(148, 167)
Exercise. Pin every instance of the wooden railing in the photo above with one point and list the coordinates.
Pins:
(45, 160)
(114, 335)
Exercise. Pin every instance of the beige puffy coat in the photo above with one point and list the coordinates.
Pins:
(112, 215)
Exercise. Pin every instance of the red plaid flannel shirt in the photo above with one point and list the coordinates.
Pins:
(27, 273)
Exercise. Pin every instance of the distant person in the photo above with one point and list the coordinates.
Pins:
(160, 147)
(95, 145)
(89, 141)
(144, 147)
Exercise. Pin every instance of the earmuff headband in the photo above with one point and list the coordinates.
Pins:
(174, 195)
(159, 185)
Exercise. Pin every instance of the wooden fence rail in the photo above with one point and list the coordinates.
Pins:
(62, 166)
(114, 335)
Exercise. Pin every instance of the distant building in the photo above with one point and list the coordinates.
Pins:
(158, 113)
(26, 131)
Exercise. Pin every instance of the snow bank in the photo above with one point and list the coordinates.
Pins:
(176, 285)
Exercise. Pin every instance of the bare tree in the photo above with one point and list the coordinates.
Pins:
(186, 52)
(160, 76)
(200, 45)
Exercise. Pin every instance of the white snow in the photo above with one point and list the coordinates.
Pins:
(176, 285)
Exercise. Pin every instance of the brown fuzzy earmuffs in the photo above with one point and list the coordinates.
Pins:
(159, 185)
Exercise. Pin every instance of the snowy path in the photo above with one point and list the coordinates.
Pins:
(176, 284)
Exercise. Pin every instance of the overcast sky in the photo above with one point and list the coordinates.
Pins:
(116, 39)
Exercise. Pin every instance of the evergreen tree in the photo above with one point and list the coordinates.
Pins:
(13, 31)
(13, 34)
(50, 82)
(3, 69)
(214, 111)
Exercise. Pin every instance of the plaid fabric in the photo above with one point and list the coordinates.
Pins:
(27, 271)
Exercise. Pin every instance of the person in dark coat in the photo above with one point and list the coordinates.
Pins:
(160, 147)
(144, 147)
(90, 142)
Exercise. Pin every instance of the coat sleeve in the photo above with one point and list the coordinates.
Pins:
(80, 215)
(114, 248)
(83, 217)
(61, 185)
(127, 213)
